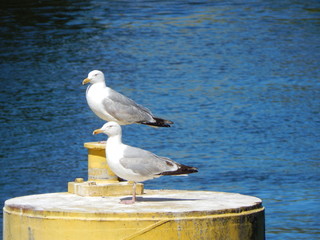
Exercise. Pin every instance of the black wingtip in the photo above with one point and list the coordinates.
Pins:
(159, 122)
(183, 169)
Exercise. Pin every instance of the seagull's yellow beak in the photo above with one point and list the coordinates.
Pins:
(85, 81)
(97, 131)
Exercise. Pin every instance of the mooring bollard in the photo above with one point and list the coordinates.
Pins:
(91, 210)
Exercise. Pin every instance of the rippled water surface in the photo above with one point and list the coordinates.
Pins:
(240, 81)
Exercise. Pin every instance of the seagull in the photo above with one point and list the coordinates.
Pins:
(110, 105)
(135, 164)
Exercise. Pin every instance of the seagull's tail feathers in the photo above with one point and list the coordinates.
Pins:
(159, 122)
(182, 170)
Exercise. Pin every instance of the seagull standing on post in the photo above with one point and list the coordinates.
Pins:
(135, 164)
(110, 105)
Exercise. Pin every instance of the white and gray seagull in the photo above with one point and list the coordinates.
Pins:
(135, 164)
(110, 105)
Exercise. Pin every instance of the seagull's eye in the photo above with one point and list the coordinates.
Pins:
(96, 74)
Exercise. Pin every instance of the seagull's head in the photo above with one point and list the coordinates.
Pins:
(110, 128)
(94, 77)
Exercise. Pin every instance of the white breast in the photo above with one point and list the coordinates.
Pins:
(95, 95)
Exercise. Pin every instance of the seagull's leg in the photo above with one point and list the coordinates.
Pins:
(134, 192)
(133, 200)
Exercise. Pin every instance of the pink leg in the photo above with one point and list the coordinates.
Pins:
(133, 200)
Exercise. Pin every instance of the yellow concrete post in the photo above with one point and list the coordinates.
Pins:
(98, 169)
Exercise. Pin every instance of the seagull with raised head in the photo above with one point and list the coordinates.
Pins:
(135, 164)
(110, 105)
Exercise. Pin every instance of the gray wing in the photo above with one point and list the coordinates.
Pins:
(126, 110)
(146, 163)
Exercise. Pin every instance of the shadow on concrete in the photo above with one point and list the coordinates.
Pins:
(157, 199)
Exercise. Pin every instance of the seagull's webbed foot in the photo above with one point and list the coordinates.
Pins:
(131, 201)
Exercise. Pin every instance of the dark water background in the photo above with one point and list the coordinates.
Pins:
(239, 79)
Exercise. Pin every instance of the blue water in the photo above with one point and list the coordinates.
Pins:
(239, 79)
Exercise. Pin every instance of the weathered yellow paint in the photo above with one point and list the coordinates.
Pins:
(98, 168)
(91, 211)
(159, 215)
